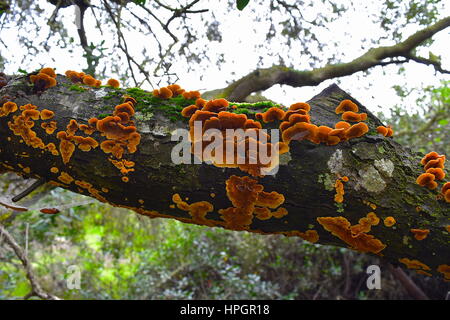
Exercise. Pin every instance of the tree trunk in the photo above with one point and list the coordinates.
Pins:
(381, 173)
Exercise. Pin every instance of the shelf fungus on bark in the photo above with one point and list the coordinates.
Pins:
(385, 131)
(113, 83)
(353, 116)
(389, 221)
(46, 78)
(341, 228)
(346, 105)
(420, 234)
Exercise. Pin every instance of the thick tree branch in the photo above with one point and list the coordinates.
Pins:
(382, 174)
(262, 79)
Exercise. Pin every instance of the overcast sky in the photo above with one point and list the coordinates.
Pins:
(239, 43)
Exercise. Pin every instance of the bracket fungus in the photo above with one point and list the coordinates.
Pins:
(389, 221)
(353, 116)
(420, 234)
(341, 228)
(46, 78)
(346, 105)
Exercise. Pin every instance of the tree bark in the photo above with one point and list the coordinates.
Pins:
(381, 172)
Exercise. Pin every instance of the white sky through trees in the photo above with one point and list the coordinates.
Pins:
(241, 49)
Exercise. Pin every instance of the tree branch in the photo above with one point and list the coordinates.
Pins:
(36, 288)
(262, 79)
(382, 174)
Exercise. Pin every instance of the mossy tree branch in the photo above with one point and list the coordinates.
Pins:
(262, 79)
(381, 172)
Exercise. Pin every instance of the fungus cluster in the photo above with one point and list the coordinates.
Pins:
(434, 171)
(339, 187)
(249, 199)
(68, 141)
(249, 147)
(22, 125)
(385, 131)
(44, 79)
(416, 265)
(297, 125)
(364, 224)
(197, 210)
(174, 90)
(341, 228)
(119, 130)
(81, 77)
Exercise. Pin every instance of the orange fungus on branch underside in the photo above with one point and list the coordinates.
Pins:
(340, 227)
(64, 177)
(309, 235)
(197, 210)
(248, 198)
(414, 264)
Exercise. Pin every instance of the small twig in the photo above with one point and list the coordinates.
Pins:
(29, 190)
(437, 65)
(36, 289)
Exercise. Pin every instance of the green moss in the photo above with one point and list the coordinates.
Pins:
(103, 115)
(339, 207)
(327, 182)
(78, 88)
(262, 105)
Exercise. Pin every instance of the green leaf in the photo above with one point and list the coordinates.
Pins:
(241, 4)
(443, 122)
(22, 288)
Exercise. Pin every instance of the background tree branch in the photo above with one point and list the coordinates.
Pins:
(36, 289)
(262, 79)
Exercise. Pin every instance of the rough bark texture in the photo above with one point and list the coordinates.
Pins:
(380, 170)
